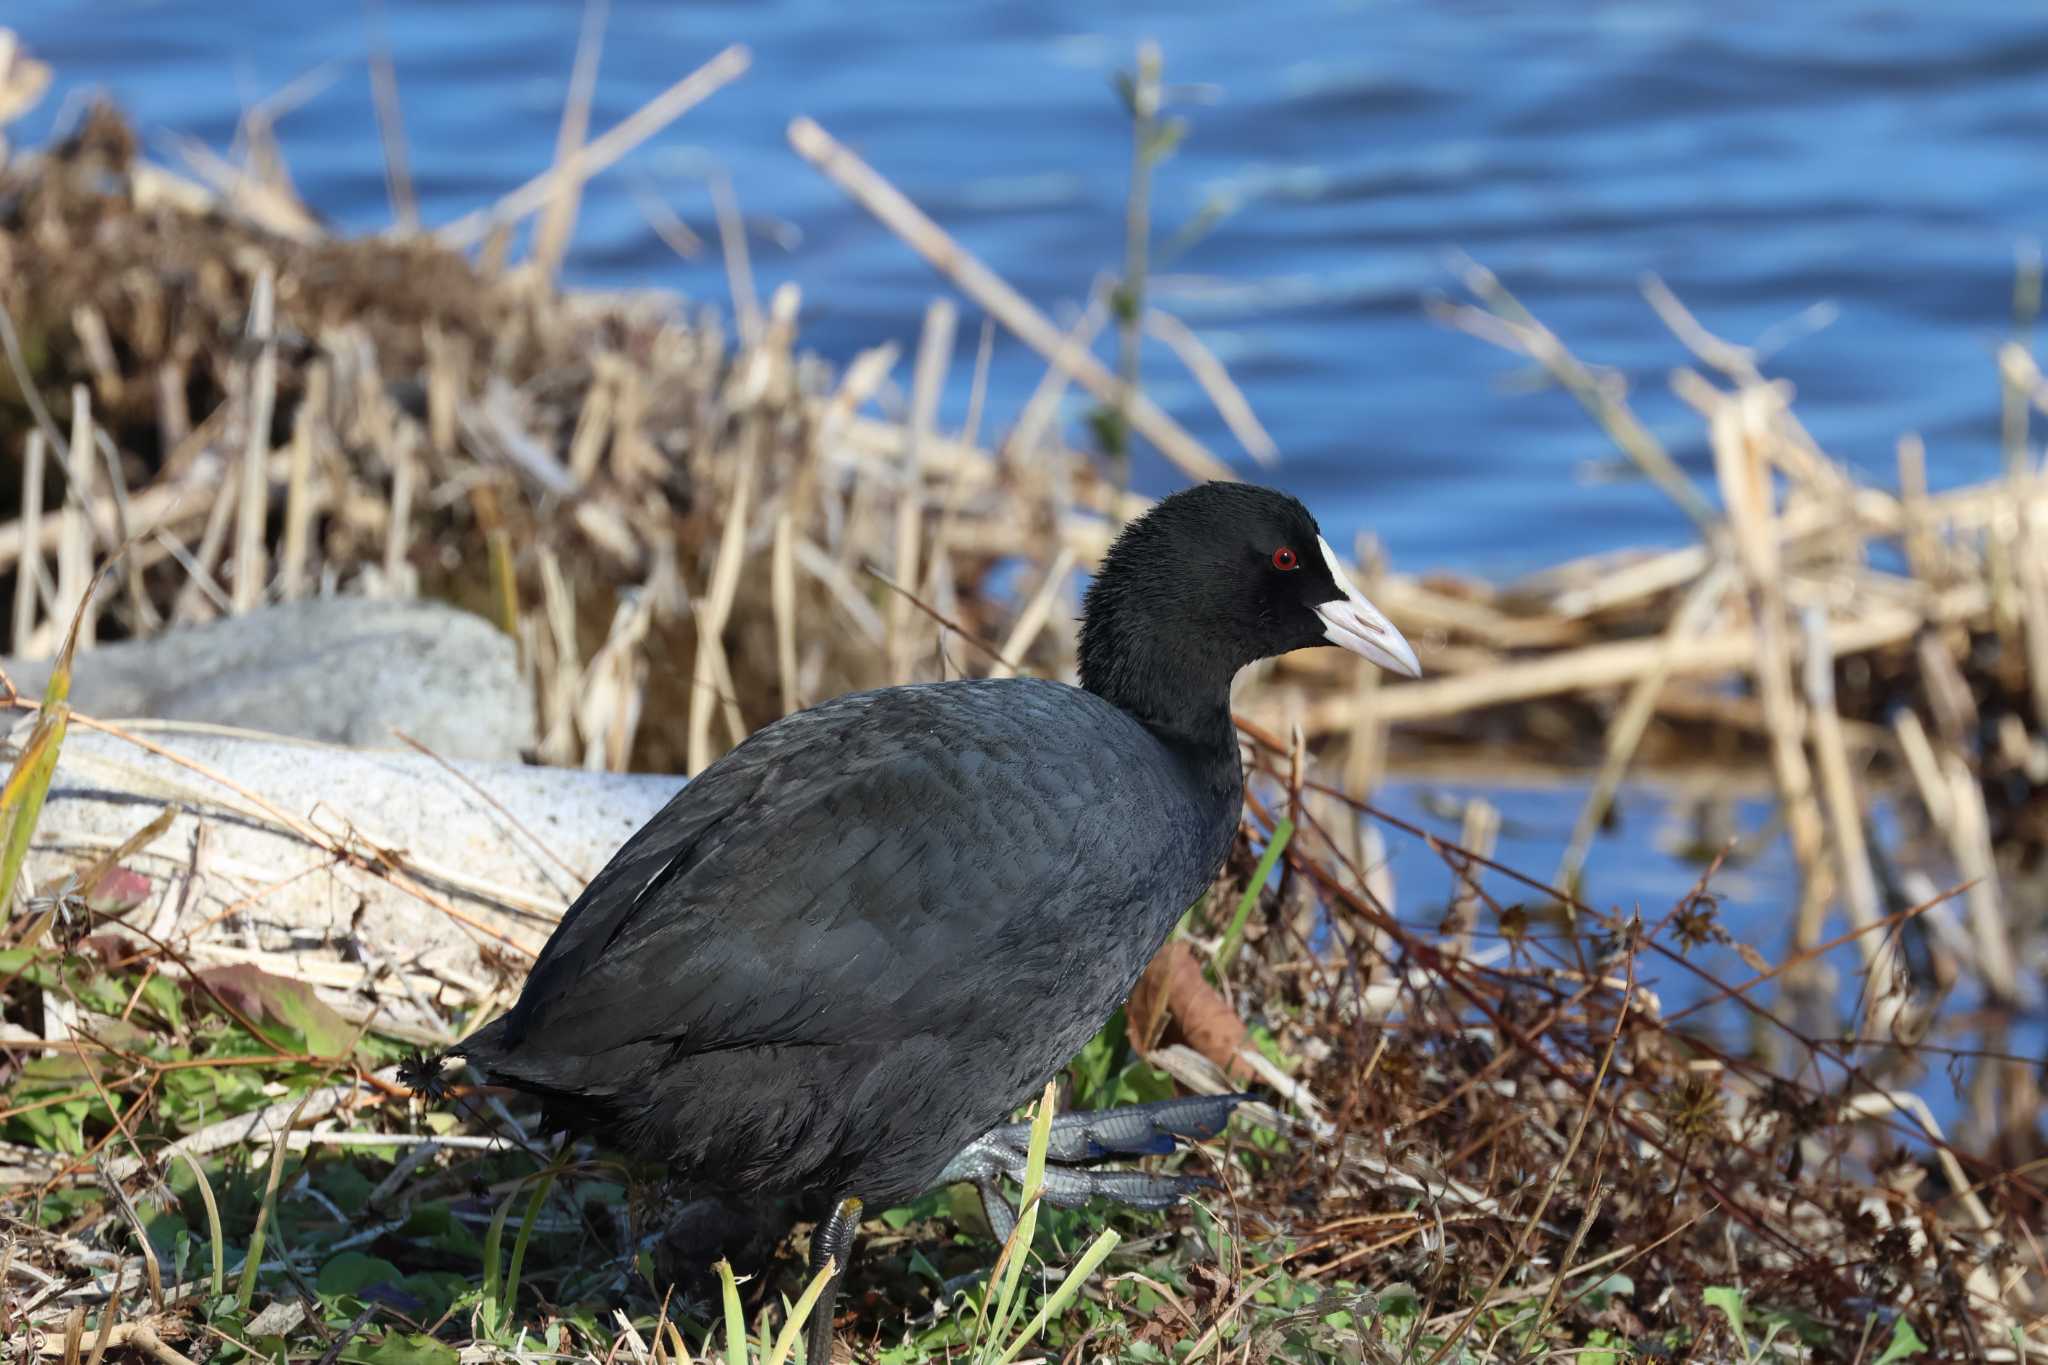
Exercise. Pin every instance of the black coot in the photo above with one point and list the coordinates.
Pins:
(856, 943)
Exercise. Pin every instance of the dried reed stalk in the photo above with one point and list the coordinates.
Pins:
(75, 598)
(1928, 778)
(405, 208)
(404, 457)
(298, 499)
(1701, 605)
(1512, 326)
(928, 378)
(28, 578)
(595, 156)
(712, 611)
(1031, 621)
(558, 219)
(782, 574)
(1214, 377)
(1479, 826)
(995, 295)
(1971, 844)
(739, 265)
(259, 404)
(1886, 993)
(1598, 666)
(1746, 493)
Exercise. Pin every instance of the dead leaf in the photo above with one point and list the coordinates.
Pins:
(1174, 1002)
(118, 891)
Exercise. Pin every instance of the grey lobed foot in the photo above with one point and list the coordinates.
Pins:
(1083, 1137)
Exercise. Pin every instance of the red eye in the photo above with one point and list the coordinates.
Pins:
(1283, 558)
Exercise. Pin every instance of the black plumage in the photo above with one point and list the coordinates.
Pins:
(778, 992)
(857, 942)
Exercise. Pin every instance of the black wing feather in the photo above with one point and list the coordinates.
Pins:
(867, 871)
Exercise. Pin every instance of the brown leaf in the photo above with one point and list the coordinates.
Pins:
(1161, 1330)
(1174, 1002)
(1145, 1009)
(1208, 1285)
(118, 891)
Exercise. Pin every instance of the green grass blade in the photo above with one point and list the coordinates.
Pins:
(494, 1276)
(1275, 846)
(212, 1221)
(510, 1306)
(793, 1325)
(58, 688)
(266, 1211)
(21, 800)
(1000, 1305)
(735, 1316)
(1057, 1301)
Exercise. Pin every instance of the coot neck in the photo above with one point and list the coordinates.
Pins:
(1179, 690)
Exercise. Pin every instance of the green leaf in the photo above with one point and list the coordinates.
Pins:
(1905, 1342)
(1728, 1299)
(785, 1340)
(217, 1242)
(1614, 1286)
(279, 1000)
(1112, 438)
(163, 995)
(404, 1348)
(342, 1182)
(1398, 1300)
(1595, 1339)
(1124, 302)
(352, 1272)
(437, 1291)
(921, 1266)
(21, 799)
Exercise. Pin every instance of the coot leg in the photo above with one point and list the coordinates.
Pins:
(1079, 1137)
(1085, 1136)
(831, 1240)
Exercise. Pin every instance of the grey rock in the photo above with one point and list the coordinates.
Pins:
(474, 861)
(340, 670)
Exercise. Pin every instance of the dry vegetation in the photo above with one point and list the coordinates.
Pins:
(1490, 1138)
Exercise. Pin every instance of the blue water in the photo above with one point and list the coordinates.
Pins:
(1881, 160)
(1874, 167)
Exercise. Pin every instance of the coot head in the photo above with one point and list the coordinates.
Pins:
(1213, 578)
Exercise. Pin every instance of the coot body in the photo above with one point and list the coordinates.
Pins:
(866, 935)
(852, 946)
